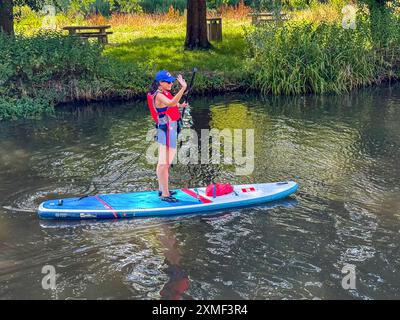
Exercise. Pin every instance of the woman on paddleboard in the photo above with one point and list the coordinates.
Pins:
(167, 116)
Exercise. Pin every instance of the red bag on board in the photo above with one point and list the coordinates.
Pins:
(218, 189)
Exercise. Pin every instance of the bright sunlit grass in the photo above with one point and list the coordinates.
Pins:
(160, 44)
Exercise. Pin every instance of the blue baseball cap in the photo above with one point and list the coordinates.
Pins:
(164, 75)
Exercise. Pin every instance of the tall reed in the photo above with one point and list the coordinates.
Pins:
(302, 57)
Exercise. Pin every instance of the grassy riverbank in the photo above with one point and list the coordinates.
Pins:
(310, 53)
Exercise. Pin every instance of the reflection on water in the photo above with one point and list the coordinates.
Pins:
(343, 151)
(178, 282)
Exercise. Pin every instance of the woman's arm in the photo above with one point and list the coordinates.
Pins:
(171, 102)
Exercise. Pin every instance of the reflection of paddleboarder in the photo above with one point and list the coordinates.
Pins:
(178, 282)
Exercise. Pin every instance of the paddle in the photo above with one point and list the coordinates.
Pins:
(187, 94)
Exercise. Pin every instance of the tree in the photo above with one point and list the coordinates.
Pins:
(196, 27)
(6, 16)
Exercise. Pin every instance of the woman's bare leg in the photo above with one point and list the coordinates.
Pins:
(158, 171)
(164, 162)
(162, 173)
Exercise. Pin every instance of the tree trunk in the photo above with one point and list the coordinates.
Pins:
(196, 28)
(6, 16)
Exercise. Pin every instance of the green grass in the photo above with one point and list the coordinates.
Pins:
(161, 47)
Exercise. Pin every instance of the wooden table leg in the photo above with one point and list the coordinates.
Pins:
(103, 39)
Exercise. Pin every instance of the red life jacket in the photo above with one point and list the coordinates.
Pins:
(152, 108)
(172, 112)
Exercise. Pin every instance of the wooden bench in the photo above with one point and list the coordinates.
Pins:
(266, 17)
(86, 32)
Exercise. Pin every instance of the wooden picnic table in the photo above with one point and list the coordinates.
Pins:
(98, 32)
(260, 17)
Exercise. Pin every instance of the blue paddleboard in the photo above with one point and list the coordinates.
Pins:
(148, 204)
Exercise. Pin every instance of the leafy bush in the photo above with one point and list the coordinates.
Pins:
(300, 57)
(34, 61)
(38, 72)
(25, 107)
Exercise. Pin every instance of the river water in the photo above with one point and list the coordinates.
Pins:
(336, 238)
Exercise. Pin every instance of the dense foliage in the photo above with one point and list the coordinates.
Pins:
(37, 72)
(302, 56)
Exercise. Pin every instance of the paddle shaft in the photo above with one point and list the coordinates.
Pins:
(187, 95)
